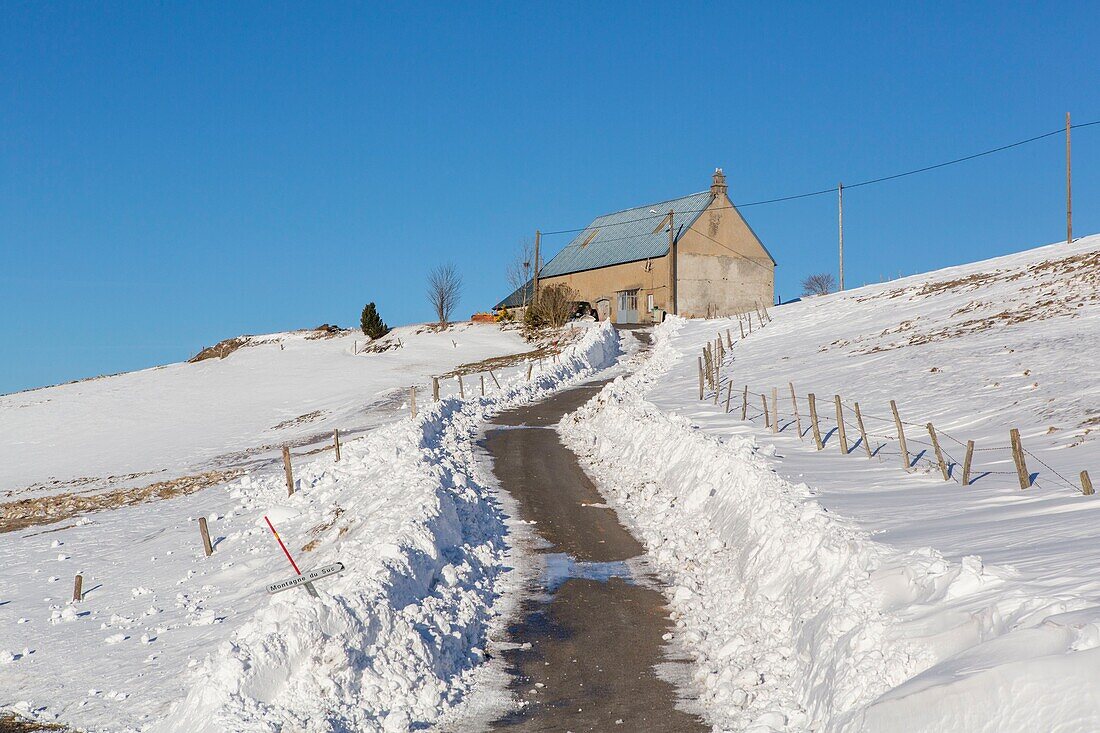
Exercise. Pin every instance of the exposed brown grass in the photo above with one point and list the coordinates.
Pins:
(301, 419)
(549, 342)
(25, 513)
(219, 350)
(11, 723)
(326, 331)
(317, 529)
(500, 362)
(1058, 288)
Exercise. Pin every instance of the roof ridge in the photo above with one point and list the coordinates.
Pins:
(655, 203)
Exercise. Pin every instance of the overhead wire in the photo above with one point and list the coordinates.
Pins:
(832, 189)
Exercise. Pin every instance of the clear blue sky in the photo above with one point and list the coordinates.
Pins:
(172, 174)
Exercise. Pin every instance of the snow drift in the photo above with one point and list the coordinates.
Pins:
(393, 639)
(800, 618)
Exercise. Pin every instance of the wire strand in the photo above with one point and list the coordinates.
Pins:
(832, 189)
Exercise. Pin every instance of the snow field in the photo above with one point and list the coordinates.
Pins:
(195, 643)
(184, 418)
(829, 592)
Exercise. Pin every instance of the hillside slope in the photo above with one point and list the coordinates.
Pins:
(158, 424)
(831, 591)
(166, 638)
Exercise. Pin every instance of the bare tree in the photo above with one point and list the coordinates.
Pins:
(820, 284)
(444, 287)
(554, 307)
(520, 269)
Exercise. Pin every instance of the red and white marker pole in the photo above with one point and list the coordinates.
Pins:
(309, 586)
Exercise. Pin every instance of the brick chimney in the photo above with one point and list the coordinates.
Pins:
(718, 186)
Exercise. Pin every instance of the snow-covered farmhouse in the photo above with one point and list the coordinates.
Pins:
(692, 256)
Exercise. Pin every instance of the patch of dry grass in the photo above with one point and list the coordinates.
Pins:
(11, 723)
(25, 513)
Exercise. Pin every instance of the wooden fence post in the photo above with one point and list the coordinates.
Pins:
(336, 443)
(862, 430)
(482, 385)
(741, 326)
(748, 315)
(775, 409)
(764, 399)
(745, 403)
(461, 389)
(204, 532)
(530, 366)
(494, 378)
(901, 436)
(813, 421)
(412, 401)
(700, 378)
(939, 453)
(729, 394)
(1086, 483)
(966, 462)
(840, 425)
(794, 406)
(289, 471)
(1018, 457)
(729, 340)
(435, 389)
(78, 589)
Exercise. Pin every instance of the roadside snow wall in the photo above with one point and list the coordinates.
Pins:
(800, 621)
(392, 640)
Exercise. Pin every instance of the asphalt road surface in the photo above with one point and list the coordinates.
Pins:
(589, 632)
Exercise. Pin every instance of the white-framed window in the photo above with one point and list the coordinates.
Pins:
(628, 300)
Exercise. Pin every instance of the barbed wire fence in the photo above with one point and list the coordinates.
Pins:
(716, 381)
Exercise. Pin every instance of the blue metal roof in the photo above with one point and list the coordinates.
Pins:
(626, 236)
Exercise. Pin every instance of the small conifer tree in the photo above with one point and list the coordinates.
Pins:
(372, 323)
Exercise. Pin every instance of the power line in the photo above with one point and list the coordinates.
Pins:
(832, 189)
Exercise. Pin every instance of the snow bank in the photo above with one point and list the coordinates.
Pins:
(797, 618)
(393, 639)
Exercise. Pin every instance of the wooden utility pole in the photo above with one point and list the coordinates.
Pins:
(840, 227)
(535, 270)
(671, 266)
(1069, 189)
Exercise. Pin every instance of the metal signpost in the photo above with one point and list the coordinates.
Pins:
(300, 579)
(307, 578)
